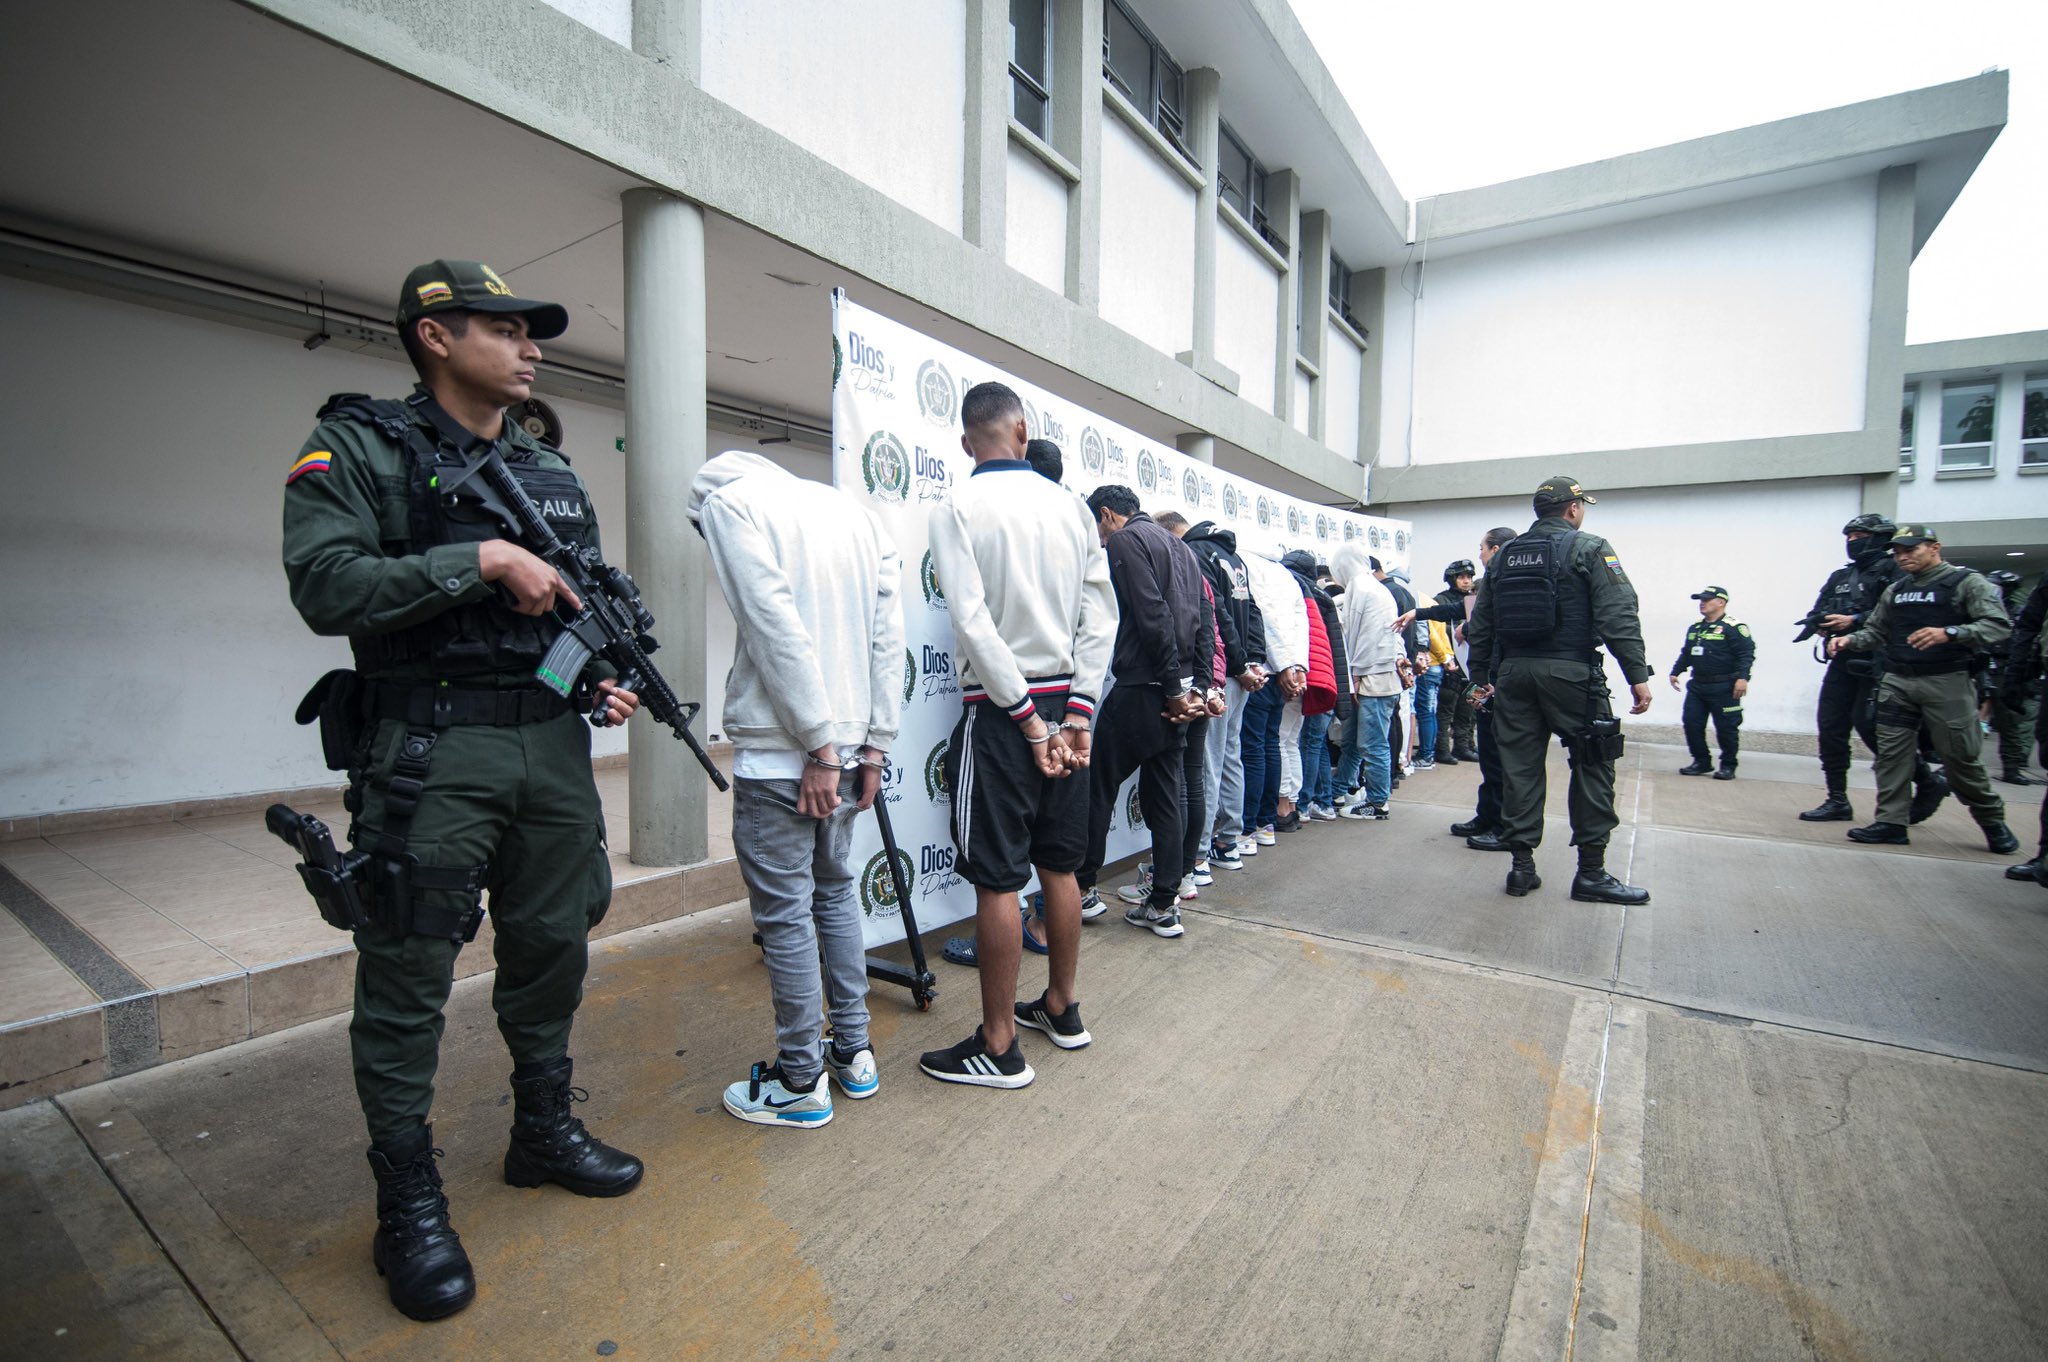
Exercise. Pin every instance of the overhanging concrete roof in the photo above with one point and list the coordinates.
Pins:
(1975, 354)
(1943, 130)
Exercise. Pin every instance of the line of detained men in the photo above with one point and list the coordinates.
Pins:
(480, 778)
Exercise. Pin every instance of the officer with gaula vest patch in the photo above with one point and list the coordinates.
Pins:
(1548, 602)
(1930, 624)
(1718, 652)
(466, 775)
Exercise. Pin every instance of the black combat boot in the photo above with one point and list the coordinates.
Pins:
(1727, 771)
(416, 1250)
(1880, 834)
(1930, 787)
(2029, 871)
(1446, 758)
(2000, 840)
(1594, 885)
(1698, 767)
(1486, 841)
(1470, 828)
(549, 1144)
(1522, 876)
(1835, 808)
(1464, 754)
(2017, 775)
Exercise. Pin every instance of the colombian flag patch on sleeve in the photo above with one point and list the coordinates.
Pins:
(315, 462)
(1613, 563)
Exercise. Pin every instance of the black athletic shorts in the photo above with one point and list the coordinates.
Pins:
(1007, 816)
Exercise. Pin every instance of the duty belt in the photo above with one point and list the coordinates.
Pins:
(427, 705)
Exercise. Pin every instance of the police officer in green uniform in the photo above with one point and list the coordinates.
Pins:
(466, 775)
(1547, 603)
(2013, 717)
(1718, 652)
(1929, 624)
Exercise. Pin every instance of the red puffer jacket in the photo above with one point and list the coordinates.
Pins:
(1321, 695)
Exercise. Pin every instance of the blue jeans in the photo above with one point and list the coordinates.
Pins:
(1223, 768)
(1262, 757)
(1426, 687)
(1318, 778)
(1366, 751)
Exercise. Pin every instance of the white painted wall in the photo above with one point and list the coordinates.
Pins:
(2005, 494)
(1735, 322)
(1148, 242)
(1343, 366)
(1773, 546)
(895, 118)
(1247, 315)
(1035, 220)
(158, 657)
(613, 18)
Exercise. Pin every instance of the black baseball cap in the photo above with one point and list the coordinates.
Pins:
(1712, 593)
(472, 286)
(1562, 492)
(1912, 536)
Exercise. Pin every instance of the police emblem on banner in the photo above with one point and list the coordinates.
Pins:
(838, 362)
(909, 675)
(878, 888)
(1400, 539)
(885, 468)
(929, 580)
(1092, 453)
(1350, 530)
(1322, 526)
(1293, 518)
(1134, 815)
(1191, 488)
(936, 786)
(1229, 502)
(936, 396)
(1148, 471)
(1264, 513)
(1030, 419)
(1373, 535)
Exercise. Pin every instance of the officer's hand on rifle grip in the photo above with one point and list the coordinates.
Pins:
(531, 582)
(616, 705)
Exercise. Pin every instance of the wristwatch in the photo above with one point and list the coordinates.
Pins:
(1949, 629)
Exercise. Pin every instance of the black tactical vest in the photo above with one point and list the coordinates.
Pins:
(1927, 605)
(484, 638)
(1542, 608)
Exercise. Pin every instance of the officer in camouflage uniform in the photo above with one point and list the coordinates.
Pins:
(1929, 624)
(2012, 719)
(465, 773)
(1547, 603)
(1718, 651)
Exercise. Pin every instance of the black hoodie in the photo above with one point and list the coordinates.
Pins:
(1243, 628)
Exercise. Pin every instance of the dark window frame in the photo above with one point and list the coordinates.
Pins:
(1026, 82)
(1167, 115)
(1340, 293)
(1249, 201)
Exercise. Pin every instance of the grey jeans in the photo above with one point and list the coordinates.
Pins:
(1223, 777)
(806, 912)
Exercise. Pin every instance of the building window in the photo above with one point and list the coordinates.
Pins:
(1031, 65)
(1340, 293)
(1241, 181)
(1966, 424)
(2034, 423)
(1907, 406)
(1136, 64)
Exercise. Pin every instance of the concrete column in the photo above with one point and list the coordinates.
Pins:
(987, 167)
(1196, 445)
(1077, 135)
(1313, 260)
(664, 449)
(671, 33)
(1283, 208)
(1369, 305)
(1205, 104)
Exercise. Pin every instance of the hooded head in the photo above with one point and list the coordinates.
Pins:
(1350, 564)
(721, 472)
(1300, 561)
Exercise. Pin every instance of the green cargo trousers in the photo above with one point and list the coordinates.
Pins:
(523, 799)
(1947, 705)
(1535, 699)
(2014, 725)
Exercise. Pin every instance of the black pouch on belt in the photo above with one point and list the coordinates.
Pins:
(336, 700)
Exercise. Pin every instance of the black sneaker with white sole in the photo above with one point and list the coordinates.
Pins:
(971, 1062)
(1064, 1028)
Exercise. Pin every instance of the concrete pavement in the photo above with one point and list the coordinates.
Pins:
(1367, 1107)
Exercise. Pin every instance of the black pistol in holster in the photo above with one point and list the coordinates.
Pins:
(1599, 742)
(613, 624)
(335, 881)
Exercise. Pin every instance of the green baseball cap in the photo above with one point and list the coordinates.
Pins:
(1562, 492)
(1911, 536)
(472, 286)
(1711, 593)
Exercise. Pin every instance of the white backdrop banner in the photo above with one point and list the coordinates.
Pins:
(896, 445)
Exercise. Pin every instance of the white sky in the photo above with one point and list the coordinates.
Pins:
(1458, 96)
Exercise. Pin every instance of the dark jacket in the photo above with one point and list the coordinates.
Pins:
(1404, 602)
(1238, 618)
(1303, 565)
(1449, 607)
(1164, 622)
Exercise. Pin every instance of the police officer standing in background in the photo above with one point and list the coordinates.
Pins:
(1718, 651)
(466, 774)
(1547, 603)
(2013, 717)
(1928, 624)
(1847, 690)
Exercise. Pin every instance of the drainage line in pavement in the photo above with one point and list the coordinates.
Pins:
(1571, 1323)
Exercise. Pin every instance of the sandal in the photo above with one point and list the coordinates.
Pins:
(1032, 943)
(960, 950)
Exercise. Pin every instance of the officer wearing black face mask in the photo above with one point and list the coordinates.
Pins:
(1846, 692)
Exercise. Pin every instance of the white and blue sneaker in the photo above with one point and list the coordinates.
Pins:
(855, 1074)
(767, 1100)
(1203, 876)
(1092, 906)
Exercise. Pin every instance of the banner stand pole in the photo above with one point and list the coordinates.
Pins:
(923, 985)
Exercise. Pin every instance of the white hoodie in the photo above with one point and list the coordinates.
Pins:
(812, 580)
(1369, 614)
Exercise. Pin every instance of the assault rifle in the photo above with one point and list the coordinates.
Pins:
(1809, 624)
(613, 624)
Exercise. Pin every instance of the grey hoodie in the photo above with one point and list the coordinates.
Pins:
(812, 580)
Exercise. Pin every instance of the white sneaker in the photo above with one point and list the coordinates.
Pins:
(1247, 845)
(1092, 906)
(1267, 836)
(1322, 813)
(1203, 876)
(763, 1100)
(1187, 889)
(1140, 891)
(858, 1076)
